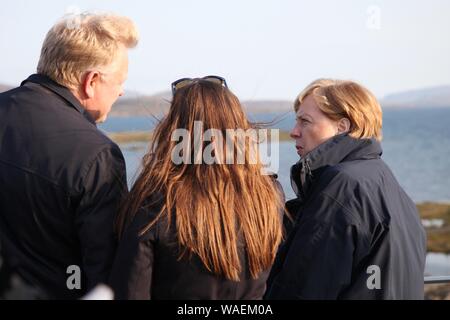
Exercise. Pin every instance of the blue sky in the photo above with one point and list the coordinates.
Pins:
(265, 49)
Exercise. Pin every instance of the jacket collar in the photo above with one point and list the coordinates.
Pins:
(61, 91)
(338, 149)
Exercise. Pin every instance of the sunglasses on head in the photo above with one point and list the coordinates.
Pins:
(180, 83)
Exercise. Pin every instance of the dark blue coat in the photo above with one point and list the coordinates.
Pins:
(356, 233)
(61, 180)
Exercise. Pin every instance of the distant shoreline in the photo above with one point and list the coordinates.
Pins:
(125, 137)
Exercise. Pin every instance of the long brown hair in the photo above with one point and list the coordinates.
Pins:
(214, 205)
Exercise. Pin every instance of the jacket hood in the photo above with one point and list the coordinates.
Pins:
(337, 149)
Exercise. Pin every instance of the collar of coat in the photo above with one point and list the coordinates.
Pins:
(61, 91)
(338, 149)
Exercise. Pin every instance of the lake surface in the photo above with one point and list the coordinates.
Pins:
(416, 146)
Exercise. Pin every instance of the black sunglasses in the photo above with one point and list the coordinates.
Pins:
(180, 83)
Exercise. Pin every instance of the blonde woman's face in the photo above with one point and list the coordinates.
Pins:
(312, 127)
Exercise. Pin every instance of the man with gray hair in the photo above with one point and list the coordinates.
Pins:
(61, 179)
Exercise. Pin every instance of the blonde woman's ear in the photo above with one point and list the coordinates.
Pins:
(343, 125)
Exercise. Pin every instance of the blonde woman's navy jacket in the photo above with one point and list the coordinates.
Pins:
(61, 180)
(356, 233)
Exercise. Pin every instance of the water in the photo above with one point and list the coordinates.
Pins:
(437, 264)
(119, 124)
(416, 146)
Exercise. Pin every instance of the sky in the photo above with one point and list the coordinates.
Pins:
(266, 49)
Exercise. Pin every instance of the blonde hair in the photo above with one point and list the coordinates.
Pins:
(339, 99)
(217, 208)
(81, 42)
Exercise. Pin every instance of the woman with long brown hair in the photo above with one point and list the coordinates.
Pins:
(193, 229)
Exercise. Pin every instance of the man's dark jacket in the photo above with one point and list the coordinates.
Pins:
(60, 183)
(356, 235)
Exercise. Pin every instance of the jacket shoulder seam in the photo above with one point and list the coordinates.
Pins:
(34, 173)
(349, 212)
(87, 168)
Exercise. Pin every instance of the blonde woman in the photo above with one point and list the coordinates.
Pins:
(191, 229)
(356, 234)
